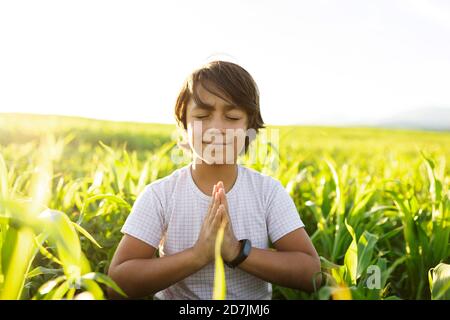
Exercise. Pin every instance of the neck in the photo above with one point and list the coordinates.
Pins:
(206, 175)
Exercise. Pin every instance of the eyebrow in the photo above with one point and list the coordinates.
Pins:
(209, 107)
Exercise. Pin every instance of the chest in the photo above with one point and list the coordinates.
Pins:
(184, 221)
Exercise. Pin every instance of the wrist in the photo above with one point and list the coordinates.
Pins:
(199, 258)
(244, 252)
(234, 252)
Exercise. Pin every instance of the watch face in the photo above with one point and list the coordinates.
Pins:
(243, 254)
(247, 247)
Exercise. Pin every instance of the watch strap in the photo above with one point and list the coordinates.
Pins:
(243, 253)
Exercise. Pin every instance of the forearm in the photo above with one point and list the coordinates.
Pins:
(143, 277)
(288, 269)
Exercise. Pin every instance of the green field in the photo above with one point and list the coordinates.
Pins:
(373, 200)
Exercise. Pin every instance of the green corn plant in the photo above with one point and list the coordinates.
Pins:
(372, 180)
(426, 230)
(220, 289)
(26, 225)
(364, 273)
(439, 280)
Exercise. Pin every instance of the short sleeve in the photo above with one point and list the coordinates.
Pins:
(282, 215)
(145, 220)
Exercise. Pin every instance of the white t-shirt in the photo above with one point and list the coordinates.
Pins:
(170, 211)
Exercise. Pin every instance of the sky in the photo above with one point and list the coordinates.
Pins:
(315, 62)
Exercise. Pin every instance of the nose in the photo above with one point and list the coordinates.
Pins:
(213, 128)
(217, 124)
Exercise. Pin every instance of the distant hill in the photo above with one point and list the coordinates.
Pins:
(433, 118)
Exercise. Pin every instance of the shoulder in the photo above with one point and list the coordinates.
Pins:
(165, 186)
(266, 185)
(259, 178)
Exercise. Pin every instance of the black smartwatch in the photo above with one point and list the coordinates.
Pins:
(246, 246)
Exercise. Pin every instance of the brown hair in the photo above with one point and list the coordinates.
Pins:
(226, 80)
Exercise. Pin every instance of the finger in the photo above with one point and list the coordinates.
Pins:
(224, 217)
(217, 218)
(214, 189)
(223, 198)
(214, 208)
(227, 216)
(216, 202)
(225, 212)
(225, 220)
(224, 224)
(220, 185)
(212, 198)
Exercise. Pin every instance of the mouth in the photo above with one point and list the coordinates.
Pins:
(217, 144)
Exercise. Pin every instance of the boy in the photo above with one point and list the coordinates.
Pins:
(182, 212)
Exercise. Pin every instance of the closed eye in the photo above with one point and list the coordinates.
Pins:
(233, 119)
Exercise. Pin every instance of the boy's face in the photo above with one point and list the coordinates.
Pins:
(216, 130)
